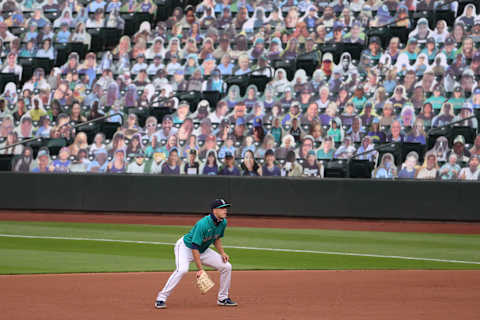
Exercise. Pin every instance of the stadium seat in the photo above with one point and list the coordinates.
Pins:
(360, 168)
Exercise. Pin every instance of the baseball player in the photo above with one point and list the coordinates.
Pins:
(194, 246)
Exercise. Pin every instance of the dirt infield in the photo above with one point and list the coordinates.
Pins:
(242, 221)
(262, 295)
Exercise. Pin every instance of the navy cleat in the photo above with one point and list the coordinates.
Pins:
(160, 304)
(227, 303)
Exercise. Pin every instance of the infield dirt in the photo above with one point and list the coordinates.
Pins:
(261, 295)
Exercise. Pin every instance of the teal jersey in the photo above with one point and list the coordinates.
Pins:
(204, 233)
(277, 134)
(450, 55)
(336, 134)
(457, 103)
(359, 103)
(430, 56)
(436, 102)
(411, 55)
(321, 155)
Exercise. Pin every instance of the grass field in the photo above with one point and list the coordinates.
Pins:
(53, 247)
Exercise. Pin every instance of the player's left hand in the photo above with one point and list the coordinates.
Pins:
(225, 258)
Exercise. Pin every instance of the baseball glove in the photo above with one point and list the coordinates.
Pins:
(204, 283)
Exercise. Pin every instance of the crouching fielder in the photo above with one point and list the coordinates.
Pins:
(194, 246)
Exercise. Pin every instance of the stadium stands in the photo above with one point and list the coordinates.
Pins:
(361, 88)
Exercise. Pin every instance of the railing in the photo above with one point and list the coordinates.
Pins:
(65, 124)
(389, 144)
(450, 124)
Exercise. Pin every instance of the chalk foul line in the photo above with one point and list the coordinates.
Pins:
(245, 248)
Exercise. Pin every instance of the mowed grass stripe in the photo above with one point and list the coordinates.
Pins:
(246, 248)
(439, 246)
(29, 256)
(140, 249)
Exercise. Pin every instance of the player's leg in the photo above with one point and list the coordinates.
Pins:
(213, 259)
(183, 257)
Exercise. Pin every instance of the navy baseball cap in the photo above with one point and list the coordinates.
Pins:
(337, 26)
(257, 122)
(219, 203)
(449, 41)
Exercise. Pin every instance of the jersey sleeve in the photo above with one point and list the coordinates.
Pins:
(198, 234)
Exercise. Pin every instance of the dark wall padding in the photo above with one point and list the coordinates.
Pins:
(302, 197)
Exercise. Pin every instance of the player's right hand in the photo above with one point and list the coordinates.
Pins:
(225, 258)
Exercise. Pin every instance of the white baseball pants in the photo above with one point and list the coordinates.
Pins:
(183, 258)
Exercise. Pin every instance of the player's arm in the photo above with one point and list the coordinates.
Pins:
(218, 245)
(196, 259)
(197, 237)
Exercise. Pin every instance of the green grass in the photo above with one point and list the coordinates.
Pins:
(21, 255)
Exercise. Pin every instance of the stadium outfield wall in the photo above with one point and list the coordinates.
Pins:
(301, 197)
